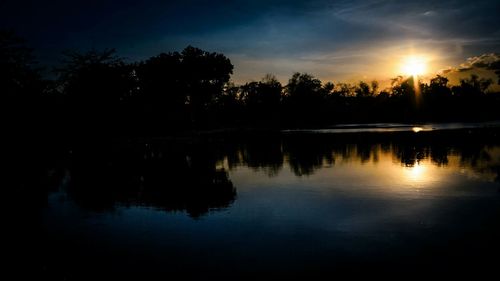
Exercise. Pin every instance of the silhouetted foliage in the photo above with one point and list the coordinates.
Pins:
(179, 89)
(263, 100)
(100, 93)
(204, 75)
(161, 99)
(473, 86)
(18, 73)
(304, 96)
(22, 89)
(95, 86)
(363, 90)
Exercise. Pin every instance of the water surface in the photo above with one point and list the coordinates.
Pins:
(286, 206)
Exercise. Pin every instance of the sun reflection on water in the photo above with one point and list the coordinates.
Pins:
(417, 129)
(404, 170)
(416, 173)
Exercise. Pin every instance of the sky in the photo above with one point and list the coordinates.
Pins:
(333, 40)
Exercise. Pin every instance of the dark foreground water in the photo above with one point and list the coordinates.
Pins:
(291, 205)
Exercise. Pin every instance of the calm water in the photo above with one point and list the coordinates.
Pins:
(286, 206)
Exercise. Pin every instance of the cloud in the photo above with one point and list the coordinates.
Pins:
(489, 61)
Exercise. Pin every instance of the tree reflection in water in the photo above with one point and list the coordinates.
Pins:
(177, 176)
(149, 175)
(305, 153)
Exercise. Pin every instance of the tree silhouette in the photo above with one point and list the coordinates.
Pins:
(94, 76)
(184, 86)
(328, 88)
(363, 90)
(437, 98)
(204, 77)
(472, 87)
(22, 88)
(229, 104)
(304, 98)
(262, 99)
(161, 101)
(160, 80)
(344, 90)
(97, 92)
(18, 73)
(95, 85)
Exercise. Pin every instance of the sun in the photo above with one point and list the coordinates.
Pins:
(414, 66)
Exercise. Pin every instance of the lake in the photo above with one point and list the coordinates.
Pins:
(295, 204)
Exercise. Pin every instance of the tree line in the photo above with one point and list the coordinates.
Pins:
(97, 92)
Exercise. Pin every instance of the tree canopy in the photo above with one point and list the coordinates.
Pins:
(99, 92)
